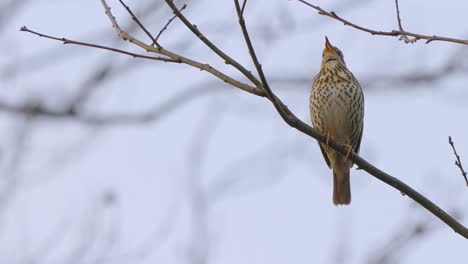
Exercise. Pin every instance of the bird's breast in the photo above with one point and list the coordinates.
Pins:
(336, 106)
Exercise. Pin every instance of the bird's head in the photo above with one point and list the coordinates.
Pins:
(331, 55)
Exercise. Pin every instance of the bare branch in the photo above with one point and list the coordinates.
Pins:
(243, 7)
(282, 109)
(69, 41)
(271, 96)
(393, 33)
(400, 27)
(457, 160)
(135, 18)
(295, 122)
(167, 24)
(152, 115)
(173, 57)
(398, 15)
(206, 67)
(208, 43)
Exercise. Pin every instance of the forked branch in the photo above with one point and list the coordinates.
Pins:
(295, 122)
(86, 44)
(457, 160)
(262, 88)
(403, 34)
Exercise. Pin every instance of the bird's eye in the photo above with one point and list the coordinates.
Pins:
(340, 53)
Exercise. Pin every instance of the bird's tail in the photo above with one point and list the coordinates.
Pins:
(341, 185)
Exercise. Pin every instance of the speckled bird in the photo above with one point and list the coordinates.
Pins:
(337, 110)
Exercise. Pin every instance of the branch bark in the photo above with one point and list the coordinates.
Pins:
(403, 34)
(457, 160)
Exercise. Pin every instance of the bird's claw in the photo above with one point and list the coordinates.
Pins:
(327, 135)
(350, 149)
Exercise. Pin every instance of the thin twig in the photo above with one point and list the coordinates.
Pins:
(398, 15)
(393, 33)
(271, 96)
(213, 47)
(173, 57)
(135, 18)
(167, 25)
(405, 38)
(80, 43)
(243, 7)
(457, 160)
(160, 50)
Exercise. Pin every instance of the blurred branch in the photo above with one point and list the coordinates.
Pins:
(457, 161)
(282, 109)
(156, 238)
(10, 179)
(51, 242)
(109, 68)
(53, 56)
(199, 248)
(152, 115)
(73, 113)
(456, 63)
(407, 234)
(403, 34)
(86, 237)
(8, 9)
(237, 179)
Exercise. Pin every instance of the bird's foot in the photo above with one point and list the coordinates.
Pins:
(350, 149)
(327, 135)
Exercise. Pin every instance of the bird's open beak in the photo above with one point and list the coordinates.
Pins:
(328, 46)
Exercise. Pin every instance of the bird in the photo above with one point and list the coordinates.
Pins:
(337, 111)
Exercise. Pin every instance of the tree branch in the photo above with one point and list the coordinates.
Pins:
(243, 7)
(457, 160)
(160, 50)
(394, 33)
(296, 123)
(168, 23)
(79, 43)
(293, 121)
(271, 96)
(400, 27)
(137, 21)
(285, 113)
(209, 44)
(117, 119)
(398, 15)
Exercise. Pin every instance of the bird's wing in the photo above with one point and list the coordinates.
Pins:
(358, 144)
(324, 153)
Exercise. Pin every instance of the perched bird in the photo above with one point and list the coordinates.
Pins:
(337, 110)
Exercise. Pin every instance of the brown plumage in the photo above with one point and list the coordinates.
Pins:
(337, 110)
